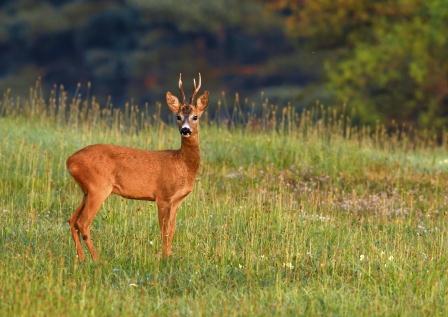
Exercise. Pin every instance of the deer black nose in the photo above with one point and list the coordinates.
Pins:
(185, 131)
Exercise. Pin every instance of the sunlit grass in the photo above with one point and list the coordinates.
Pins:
(294, 221)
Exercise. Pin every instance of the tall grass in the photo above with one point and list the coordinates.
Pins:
(292, 214)
(82, 110)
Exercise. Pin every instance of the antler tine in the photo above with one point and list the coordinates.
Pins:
(181, 89)
(196, 88)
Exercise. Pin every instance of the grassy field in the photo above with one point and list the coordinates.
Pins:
(298, 222)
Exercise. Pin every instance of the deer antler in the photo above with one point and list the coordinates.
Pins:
(196, 88)
(181, 89)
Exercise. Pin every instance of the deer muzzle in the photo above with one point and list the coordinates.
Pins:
(185, 131)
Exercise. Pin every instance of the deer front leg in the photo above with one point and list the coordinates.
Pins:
(167, 222)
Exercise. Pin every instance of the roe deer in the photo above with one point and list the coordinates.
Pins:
(165, 177)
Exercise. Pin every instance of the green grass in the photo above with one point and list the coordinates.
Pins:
(278, 224)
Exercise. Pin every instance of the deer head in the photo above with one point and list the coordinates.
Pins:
(188, 112)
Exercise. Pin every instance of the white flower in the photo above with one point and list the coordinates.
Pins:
(240, 266)
(362, 257)
(288, 265)
(151, 242)
(391, 258)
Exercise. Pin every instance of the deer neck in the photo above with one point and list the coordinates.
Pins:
(190, 153)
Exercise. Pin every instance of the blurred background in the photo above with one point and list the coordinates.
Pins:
(386, 61)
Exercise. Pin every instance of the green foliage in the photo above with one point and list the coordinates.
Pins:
(134, 49)
(402, 73)
(384, 59)
(387, 60)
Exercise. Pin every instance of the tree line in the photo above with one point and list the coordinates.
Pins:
(383, 60)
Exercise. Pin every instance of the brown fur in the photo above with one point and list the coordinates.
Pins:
(165, 177)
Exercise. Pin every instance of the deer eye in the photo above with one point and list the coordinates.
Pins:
(195, 118)
(178, 118)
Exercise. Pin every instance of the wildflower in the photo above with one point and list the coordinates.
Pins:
(234, 174)
(288, 265)
(361, 257)
(240, 266)
(391, 258)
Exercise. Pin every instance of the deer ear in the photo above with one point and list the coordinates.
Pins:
(202, 101)
(172, 102)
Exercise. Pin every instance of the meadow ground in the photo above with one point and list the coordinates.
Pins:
(279, 223)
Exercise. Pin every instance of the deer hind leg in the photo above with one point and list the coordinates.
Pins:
(75, 231)
(167, 222)
(94, 199)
